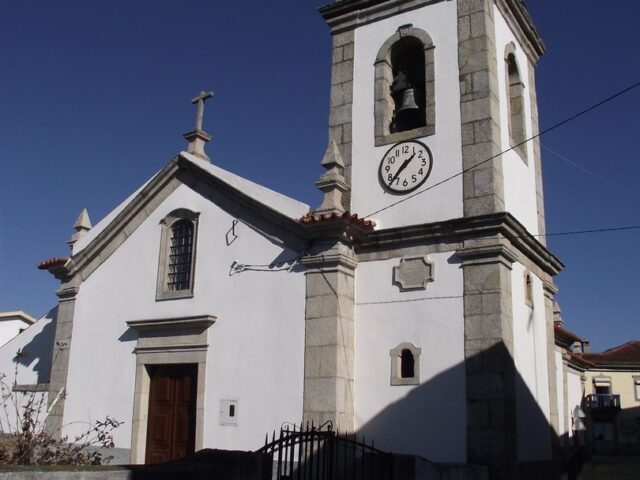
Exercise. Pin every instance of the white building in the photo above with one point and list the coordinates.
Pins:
(12, 324)
(425, 323)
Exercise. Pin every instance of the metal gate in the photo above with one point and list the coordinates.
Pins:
(319, 453)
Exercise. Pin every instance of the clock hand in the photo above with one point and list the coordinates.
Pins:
(402, 167)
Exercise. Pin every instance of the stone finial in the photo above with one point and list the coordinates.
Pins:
(197, 137)
(332, 182)
(81, 226)
(557, 314)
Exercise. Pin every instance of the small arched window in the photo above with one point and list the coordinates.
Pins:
(515, 103)
(404, 87)
(528, 289)
(176, 267)
(405, 364)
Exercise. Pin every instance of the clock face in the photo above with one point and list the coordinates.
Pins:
(405, 167)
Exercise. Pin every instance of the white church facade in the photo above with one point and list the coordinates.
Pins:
(414, 306)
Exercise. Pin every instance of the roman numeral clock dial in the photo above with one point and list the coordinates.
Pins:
(405, 167)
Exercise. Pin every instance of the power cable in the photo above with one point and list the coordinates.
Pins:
(594, 230)
(543, 132)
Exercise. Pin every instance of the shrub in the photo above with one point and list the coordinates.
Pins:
(24, 440)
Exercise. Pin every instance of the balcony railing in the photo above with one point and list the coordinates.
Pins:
(603, 401)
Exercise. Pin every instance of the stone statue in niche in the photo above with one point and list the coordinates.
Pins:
(413, 273)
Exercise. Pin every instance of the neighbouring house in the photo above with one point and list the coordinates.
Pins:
(12, 324)
(206, 310)
(612, 399)
(598, 394)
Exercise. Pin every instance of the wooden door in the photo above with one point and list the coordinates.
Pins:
(171, 428)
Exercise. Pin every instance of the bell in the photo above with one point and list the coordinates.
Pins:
(408, 100)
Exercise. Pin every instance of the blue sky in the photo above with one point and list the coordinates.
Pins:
(94, 97)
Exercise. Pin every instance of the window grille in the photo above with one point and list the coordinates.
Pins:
(177, 259)
(180, 256)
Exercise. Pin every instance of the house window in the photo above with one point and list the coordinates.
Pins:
(602, 385)
(405, 87)
(636, 387)
(515, 103)
(176, 266)
(405, 364)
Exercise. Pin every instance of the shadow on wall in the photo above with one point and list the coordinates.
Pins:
(37, 347)
(506, 430)
(615, 433)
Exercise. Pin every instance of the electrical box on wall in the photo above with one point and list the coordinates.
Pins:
(228, 412)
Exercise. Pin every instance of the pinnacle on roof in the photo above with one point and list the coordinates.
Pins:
(332, 182)
(82, 222)
(82, 225)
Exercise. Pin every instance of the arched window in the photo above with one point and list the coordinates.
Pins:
(176, 267)
(180, 256)
(405, 364)
(407, 89)
(515, 103)
(528, 289)
(404, 87)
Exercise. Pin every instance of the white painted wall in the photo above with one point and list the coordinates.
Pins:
(10, 327)
(575, 393)
(519, 178)
(532, 382)
(256, 346)
(35, 343)
(562, 426)
(32, 368)
(429, 419)
(444, 202)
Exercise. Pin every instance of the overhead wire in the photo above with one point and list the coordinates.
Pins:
(539, 134)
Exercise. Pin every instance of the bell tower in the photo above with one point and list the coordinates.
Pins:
(456, 76)
(432, 105)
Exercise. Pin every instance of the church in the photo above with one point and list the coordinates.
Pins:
(413, 306)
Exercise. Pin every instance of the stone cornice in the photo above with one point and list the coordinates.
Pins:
(487, 254)
(518, 18)
(349, 14)
(195, 322)
(492, 228)
(622, 367)
(281, 229)
(330, 262)
(67, 292)
(346, 228)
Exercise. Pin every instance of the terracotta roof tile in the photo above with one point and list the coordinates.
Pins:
(579, 359)
(563, 332)
(627, 354)
(52, 262)
(363, 223)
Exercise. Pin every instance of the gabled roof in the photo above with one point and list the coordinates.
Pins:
(17, 315)
(627, 355)
(276, 215)
(278, 202)
(565, 337)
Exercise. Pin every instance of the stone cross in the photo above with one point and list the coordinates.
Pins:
(198, 137)
(200, 112)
